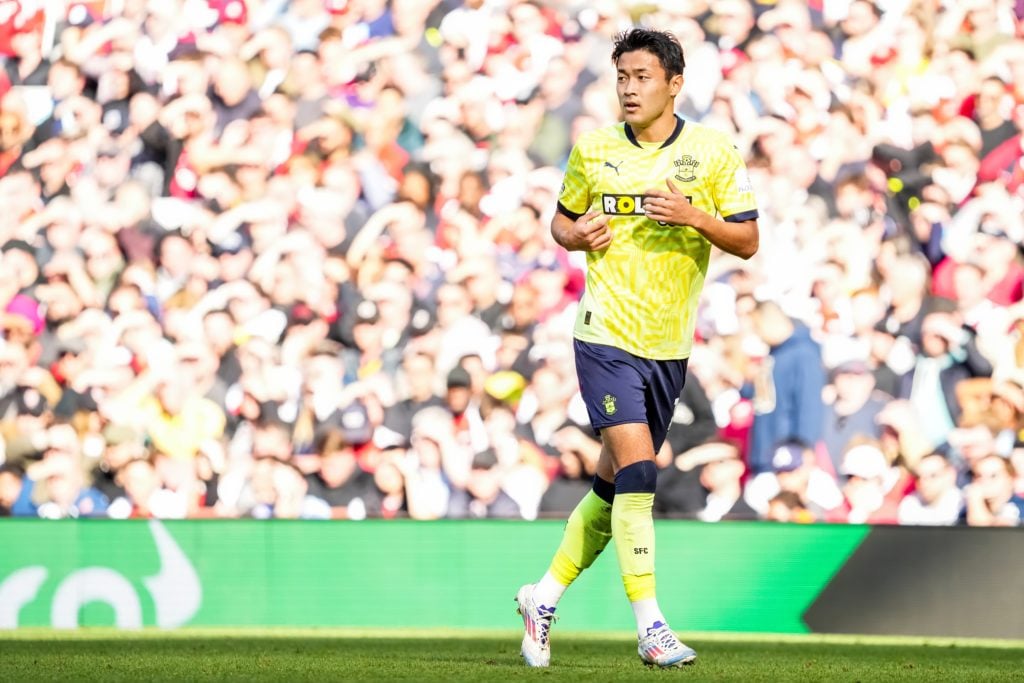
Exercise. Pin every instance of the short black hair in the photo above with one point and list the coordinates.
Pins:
(11, 468)
(662, 44)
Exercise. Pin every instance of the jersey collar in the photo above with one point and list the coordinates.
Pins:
(669, 141)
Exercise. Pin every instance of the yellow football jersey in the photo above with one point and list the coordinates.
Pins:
(642, 292)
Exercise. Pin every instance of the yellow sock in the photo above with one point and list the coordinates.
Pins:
(586, 534)
(633, 528)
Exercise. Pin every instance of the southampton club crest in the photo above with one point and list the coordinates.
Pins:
(609, 404)
(685, 168)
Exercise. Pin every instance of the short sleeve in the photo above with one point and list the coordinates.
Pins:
(733, 191)
(574, 198)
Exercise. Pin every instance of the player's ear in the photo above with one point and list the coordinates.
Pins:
(675, 84)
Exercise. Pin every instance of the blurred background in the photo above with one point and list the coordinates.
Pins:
(273, 259)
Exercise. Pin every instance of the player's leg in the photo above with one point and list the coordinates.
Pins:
(659, 644)
(621, 392)
(633, 449)
(611, 386)
(607, 381)
(636, 477)
(586, 534)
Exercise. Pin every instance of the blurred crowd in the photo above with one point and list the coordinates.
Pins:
(264, 258)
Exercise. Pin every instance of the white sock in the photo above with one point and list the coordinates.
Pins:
(548, 591)
(647, 614)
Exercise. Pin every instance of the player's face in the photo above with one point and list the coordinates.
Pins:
(643, 88)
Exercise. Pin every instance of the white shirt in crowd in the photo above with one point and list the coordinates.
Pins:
(943, 512)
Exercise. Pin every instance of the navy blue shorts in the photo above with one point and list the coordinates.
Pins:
(619, 387)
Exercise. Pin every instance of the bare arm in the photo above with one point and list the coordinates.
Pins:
(373, 228)
(671, 207)
(589, 232)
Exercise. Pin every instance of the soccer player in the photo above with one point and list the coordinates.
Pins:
(646, 199)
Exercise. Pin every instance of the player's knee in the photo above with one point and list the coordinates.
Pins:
(640, 477)
(605, 490)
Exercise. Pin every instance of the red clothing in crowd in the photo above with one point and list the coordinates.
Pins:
(1004, 164)
(17, 18)
(1009, 290)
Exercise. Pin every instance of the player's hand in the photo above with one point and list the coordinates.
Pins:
(589, 232)
(670, 206)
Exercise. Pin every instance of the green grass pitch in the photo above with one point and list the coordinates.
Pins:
(351, 655)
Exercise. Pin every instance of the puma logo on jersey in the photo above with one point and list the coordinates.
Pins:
(614, 167)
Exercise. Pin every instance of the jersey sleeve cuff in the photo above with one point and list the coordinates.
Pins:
(566, 212)
(741, 217)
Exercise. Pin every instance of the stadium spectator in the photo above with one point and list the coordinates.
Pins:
(786, 506)
(991, 104)
(853, 410)
(906, 278)
(795, 469)
(578, 450)
(948, 355)
(436, 467)
(524, 467)
(226, 234)
(388, 479)
(693, 421)
(340, 482)
(144, 496)
(285, 495)
(903, 440)
(59, 488)
(419, 378)
(484, 496)
(680, 492)
(15, 493)
(990, 498)
(787, 390)
(722, 478)
(936, 500)
(872, 489)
